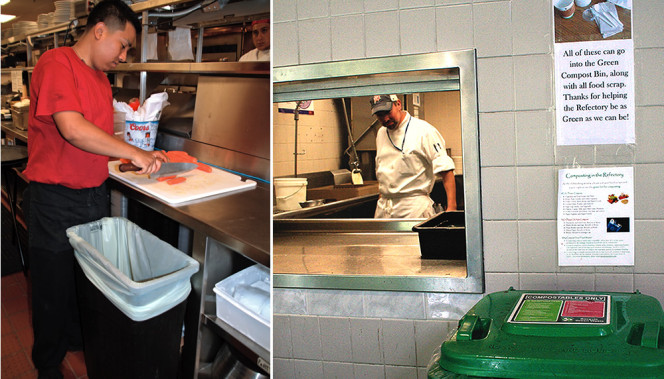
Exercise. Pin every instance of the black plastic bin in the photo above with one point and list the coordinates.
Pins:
(119, 347)
(443, 236)
(132, 289)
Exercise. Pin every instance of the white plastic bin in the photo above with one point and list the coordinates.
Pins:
(290, 192)
(243, 302)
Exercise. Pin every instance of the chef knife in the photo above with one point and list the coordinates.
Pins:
(167, 168)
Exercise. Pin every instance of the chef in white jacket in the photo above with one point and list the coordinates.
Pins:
(260, 35)
(410, 154)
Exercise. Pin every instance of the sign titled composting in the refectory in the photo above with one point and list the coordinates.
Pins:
(596, 216)
(554, 308)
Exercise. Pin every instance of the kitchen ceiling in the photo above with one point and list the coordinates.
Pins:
(26, 10)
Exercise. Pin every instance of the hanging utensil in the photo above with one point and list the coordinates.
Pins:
(356, 172)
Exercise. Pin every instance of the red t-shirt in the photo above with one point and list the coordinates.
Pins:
(61, 81)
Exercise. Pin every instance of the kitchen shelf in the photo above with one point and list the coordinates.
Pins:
(249, 348)
(152, 4)
(138, 7)
(22, 37)
(256, 68)
(9, 70)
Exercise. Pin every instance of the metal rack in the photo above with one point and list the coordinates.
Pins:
(243, 68)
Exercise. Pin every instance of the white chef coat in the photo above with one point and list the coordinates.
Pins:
(255, 55)
(406, 168)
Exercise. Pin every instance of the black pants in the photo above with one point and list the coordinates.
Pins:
(51, 209)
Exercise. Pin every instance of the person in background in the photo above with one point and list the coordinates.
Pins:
(71, 139)
(24, 87)
(410, 154)
(260, 34)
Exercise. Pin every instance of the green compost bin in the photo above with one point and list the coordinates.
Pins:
(540, 334)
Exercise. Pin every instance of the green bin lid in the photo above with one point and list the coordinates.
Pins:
(526, 334)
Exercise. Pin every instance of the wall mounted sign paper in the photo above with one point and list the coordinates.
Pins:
(17, 81)
(306, 107)
(555, 308)
(594, 72)
(596, 216)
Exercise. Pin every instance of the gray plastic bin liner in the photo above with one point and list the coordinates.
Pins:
(140, 274)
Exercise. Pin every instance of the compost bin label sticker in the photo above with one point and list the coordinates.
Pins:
(555, 308)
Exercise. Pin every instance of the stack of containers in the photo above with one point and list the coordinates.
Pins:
(63, 11)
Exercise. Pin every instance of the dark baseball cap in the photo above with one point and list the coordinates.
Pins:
(382, 103)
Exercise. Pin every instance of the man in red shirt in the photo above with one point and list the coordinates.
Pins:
(70, 140)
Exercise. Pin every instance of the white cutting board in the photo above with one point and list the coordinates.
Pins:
(199, 184)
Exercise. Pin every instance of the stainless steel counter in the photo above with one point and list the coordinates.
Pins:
(357, 254)
(240, 220)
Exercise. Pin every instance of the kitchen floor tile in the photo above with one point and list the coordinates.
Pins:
(17, 337)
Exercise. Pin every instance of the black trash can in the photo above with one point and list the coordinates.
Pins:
(132, 289)
(119, 347)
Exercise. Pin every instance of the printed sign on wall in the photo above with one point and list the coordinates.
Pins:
(594, 72)
(596, 217)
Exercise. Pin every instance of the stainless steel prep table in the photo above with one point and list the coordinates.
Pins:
(237, 222)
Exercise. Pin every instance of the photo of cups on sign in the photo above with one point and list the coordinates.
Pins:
(592, 20)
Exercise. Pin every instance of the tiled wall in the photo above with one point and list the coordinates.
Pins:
(342, 347)
(361, 334)
(519, 165)
(320, 140)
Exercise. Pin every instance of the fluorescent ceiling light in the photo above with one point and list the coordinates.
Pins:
(6, 17)
(4, 2)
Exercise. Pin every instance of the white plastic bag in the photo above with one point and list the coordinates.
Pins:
(152, 47)
(179, 44)
(140, 274)
(150, 110)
